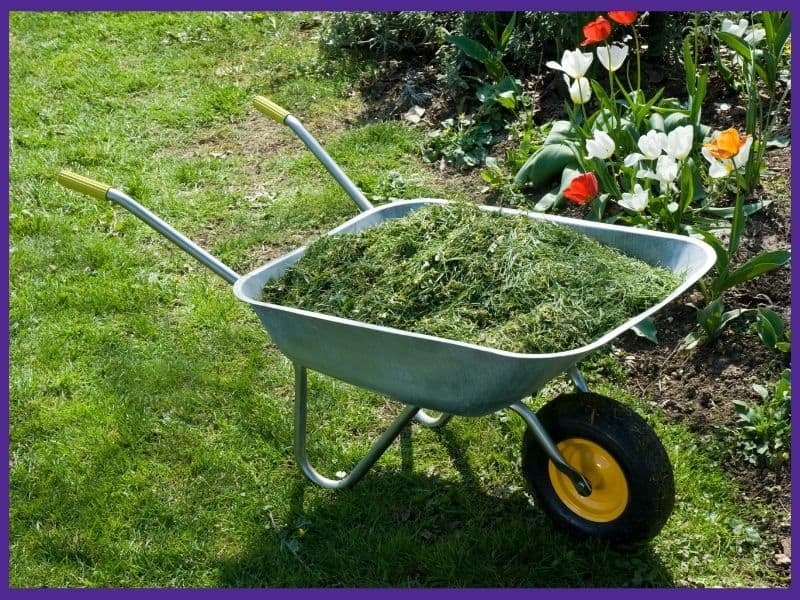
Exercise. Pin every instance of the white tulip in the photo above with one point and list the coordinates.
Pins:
(738, 30)
(755, 35)
(679, 142)
(612, 56)
(666, 169)
(573, 62)
(652, 144)
(632, 159)
(579, 90)
(600, 146)
(637, 201)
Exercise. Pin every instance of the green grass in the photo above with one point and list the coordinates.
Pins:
(151, 416)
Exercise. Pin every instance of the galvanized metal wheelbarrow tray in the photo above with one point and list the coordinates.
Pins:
(421, 371)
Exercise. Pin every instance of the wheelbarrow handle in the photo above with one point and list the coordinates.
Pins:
(101, 191)
(272, 110)
(83, 185)
(281, 115)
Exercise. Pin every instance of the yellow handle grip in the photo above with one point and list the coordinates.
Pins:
(269, 108)
(83, 185)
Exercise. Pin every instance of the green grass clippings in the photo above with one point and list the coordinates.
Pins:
(458, 272)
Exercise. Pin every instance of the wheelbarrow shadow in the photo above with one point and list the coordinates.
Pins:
(401, 528)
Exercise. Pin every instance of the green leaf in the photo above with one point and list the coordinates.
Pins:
(686, 186)
(657, 122)
(782, 33)
(736, 44)
(472, 48)
(674, 120)
(737, 225)
(506, 100)
(709, 317)
(778, 141)
(723, 70)
(726, 212)
(494, 66)
(646, 329)
(766, 331)
(688, 65)
(770, 71)
(644, 110)
(729, 316)
(506, 35)
(546, 202)
(699, 188)
(691, 340)
(761, 391)
(762, 72)
(509, 84)
(545, 164)
(699, 96)
(769, 27)
(784, 385)
(601, 96)
(490, 31)
(758, 265)
(485, 93)
(723, 258)
(561, 131)
(769, 327)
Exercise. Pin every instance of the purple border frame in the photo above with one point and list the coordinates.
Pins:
(299, 5)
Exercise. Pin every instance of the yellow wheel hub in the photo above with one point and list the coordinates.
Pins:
(609, 495)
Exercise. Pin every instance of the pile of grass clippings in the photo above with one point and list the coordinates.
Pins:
(458, 272)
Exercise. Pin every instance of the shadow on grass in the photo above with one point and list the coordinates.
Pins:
(402, 528)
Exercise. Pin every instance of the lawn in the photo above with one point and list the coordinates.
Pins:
(151, 416)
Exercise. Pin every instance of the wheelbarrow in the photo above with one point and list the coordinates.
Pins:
(594, 465)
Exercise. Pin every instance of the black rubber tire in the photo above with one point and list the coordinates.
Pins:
(635, 446)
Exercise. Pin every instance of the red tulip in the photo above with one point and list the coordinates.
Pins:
(582, 188)
(623, 17)
(596, 31)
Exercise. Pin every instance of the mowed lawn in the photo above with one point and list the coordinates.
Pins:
(151, 416)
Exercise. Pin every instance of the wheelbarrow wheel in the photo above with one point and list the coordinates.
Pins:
(633, 490)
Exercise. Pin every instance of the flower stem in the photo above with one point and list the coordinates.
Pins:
(638, 61)
(611, 80)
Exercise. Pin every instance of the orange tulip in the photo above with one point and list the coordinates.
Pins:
(623, 17)
(596, 31)
(582, 188)
(726, 145)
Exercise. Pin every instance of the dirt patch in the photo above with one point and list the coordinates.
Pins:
(255, 136)
(269, 251)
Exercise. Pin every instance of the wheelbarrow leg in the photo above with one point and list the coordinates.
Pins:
(578, 380)
(378, 447)
(580, 482)
(427, 420)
